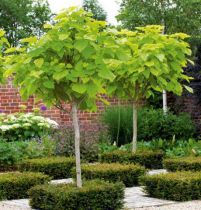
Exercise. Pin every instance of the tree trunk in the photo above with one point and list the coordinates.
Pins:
(164, 102)
(134, 142)
(77, 145)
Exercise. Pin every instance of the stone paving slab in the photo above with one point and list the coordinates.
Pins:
(136, 198)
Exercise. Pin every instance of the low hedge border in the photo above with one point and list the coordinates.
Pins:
(94, 194)
(15, 185)
(56, 167)
(149, 159)
(183, 164)
(115, 172)
(177, 186)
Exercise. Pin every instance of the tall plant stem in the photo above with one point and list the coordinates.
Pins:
(77, 145)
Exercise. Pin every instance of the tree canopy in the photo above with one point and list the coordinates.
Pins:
(177, 15)
(95, 8)
(22, 18)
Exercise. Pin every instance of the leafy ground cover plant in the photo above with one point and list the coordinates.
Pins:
(94, 194)
(11, 153)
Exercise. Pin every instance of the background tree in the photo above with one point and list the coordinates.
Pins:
(150, 61)
(177, 15)
(22, 18)
(67, 65)
(95, 8)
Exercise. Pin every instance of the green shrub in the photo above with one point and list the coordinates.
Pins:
(23, 126)
(12, 153)
(178, 186)
(94, 194)
(149, 159)
(183, 164)
(15, 185)
(56, 167)
(152, 124)
(128, 174)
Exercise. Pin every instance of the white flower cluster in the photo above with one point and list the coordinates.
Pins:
(25, 121)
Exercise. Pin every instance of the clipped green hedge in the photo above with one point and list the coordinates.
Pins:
(149, 159)
(56, 167)
(94, 194)
(15, 185)
(183, 164)
(114, 172)
(178, 186)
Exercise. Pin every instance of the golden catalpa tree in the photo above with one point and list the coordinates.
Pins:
(66, 65)
(150, 62)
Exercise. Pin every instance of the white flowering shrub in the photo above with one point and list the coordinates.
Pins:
(24, 126)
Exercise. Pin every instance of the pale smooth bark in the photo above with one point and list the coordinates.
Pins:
(134, 142)
(164, 102)
(77, 145)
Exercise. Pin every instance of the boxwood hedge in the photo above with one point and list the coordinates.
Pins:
(56, 167)
(183, 164)
(128, 174)
(14, 185)
(149, 159)
(94, 194)
(178, 186)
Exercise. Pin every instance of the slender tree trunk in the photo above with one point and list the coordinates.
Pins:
(164, 102)
(119, 121)
(134, 142)
(77, 144)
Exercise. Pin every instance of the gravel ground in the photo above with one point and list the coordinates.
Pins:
(191, 205)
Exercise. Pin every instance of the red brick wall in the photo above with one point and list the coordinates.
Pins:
(10, 101)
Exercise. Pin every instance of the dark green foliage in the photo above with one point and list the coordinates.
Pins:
(149, 159)
(95, 8)
(94, 194)
(176, 15)
(115, 172)
(178, 186)
(152, 124)
(183, 164)
(22, 18)
(15, 185)
(65, 145)
(56, 167)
